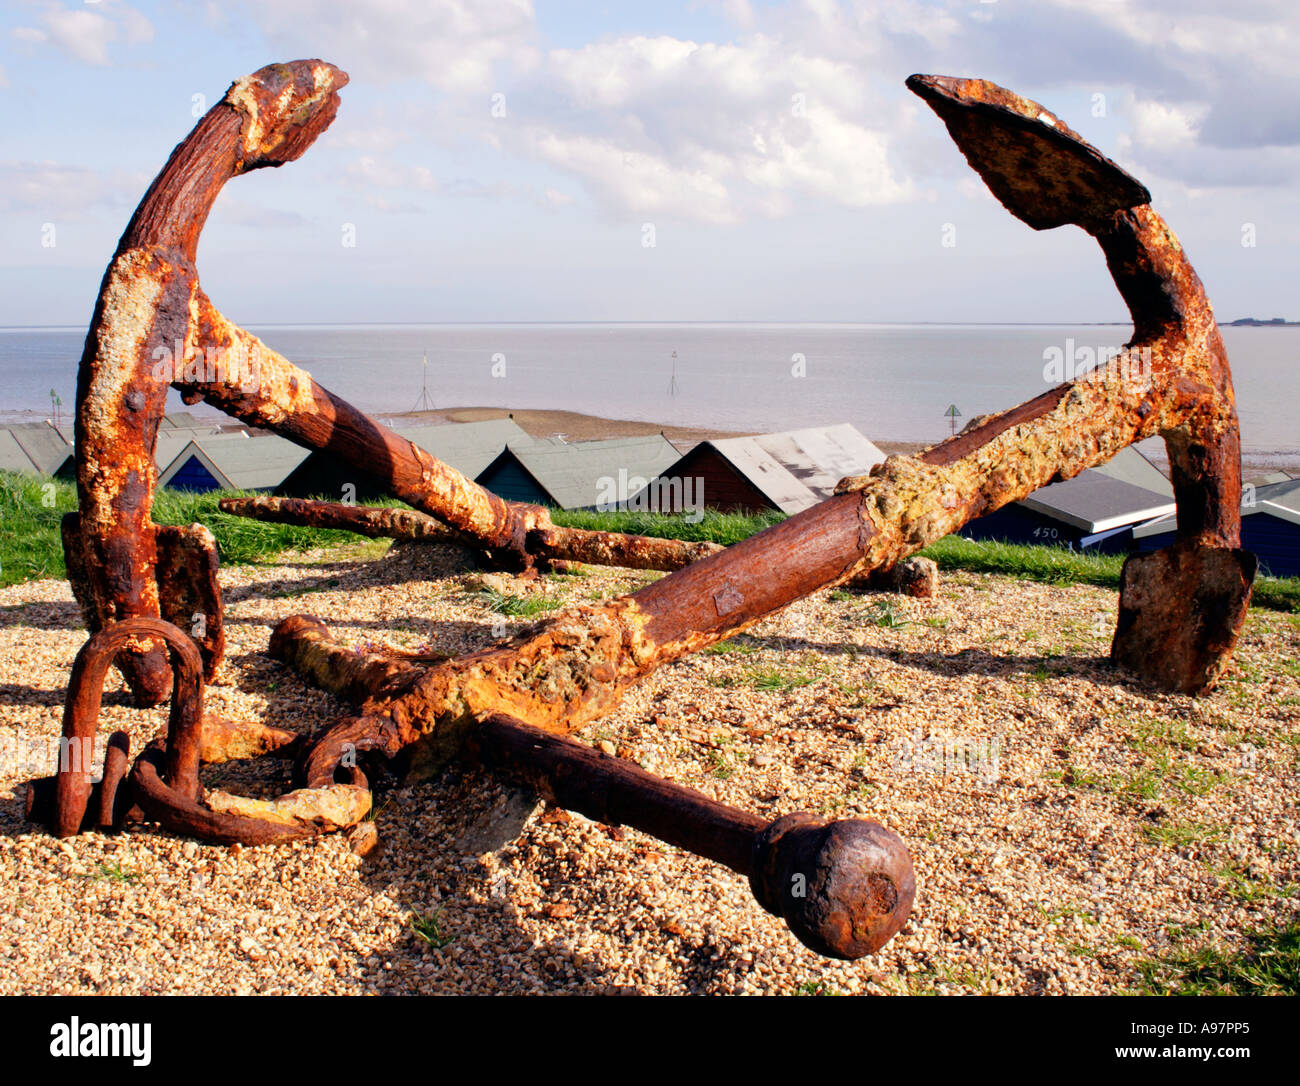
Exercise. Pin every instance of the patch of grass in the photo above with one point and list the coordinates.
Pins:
(816, 988)
(1277, 594)
(115, 872)
(30, 510)
(1063, 912)
(771, 678)
(32, 506)
(739, 646)
(1154, 734)
(518, 605)
(1183, 834)
(1245, 887)
(721, 765)
(1030, 562)
(427, 927)
(1164, 774)
(885, 614)
(1268, 964)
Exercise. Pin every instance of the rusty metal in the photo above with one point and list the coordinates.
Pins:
(109, 805)
(844, 888)
(916, 577)
(1046, 175)
(72, 791)
(377, 523)
(551, 544)
(165, 780)
(562, 673)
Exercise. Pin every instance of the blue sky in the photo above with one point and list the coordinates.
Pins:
(620, 115)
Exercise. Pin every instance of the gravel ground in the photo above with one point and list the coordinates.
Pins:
(1064, 821)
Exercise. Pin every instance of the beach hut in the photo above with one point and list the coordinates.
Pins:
(469, 447)
(232, 462)
(790, 470)
(12, 457)
(581, 475)
(47, 451)
(1098, 509)
(1270, 528)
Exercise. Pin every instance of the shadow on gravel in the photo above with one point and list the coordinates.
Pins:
(448, 854)
(43, 616)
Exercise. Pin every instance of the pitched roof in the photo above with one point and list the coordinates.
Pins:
(44, 445)
(1286, 494)
(12, 457)
(1269, 478)
(184, 420)
(254, 463)
(1094, 502)
(1280, 500)
(796, 469)
(170, 443)
(469, 447)
(588, 473)
(1130, 466)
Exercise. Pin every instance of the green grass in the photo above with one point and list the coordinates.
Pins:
(1184, 834)
(1268, 965)
(771, 678)
(1246, 887)
(721, 765)
(1050, 565)
(518, 605)
(885, 614)
(713, 527)
(816, 988)
(31, 506)
(428, 928)
(114, 872)
(739, 646)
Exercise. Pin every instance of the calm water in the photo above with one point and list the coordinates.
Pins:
(893, 382)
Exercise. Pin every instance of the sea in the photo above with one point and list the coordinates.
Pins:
(895, 382)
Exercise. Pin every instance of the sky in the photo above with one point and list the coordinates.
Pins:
(501, 160)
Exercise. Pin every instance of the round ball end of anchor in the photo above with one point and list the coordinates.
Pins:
(844, 888)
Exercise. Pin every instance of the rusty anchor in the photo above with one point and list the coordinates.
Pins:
(510, 705)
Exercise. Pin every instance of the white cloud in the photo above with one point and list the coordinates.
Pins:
(85, 33)
(1160, 127)
(454, 45)
(708, 132)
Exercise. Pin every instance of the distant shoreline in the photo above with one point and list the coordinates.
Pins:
(1240, 322)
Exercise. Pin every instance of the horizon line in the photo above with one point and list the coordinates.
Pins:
(748, 323)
